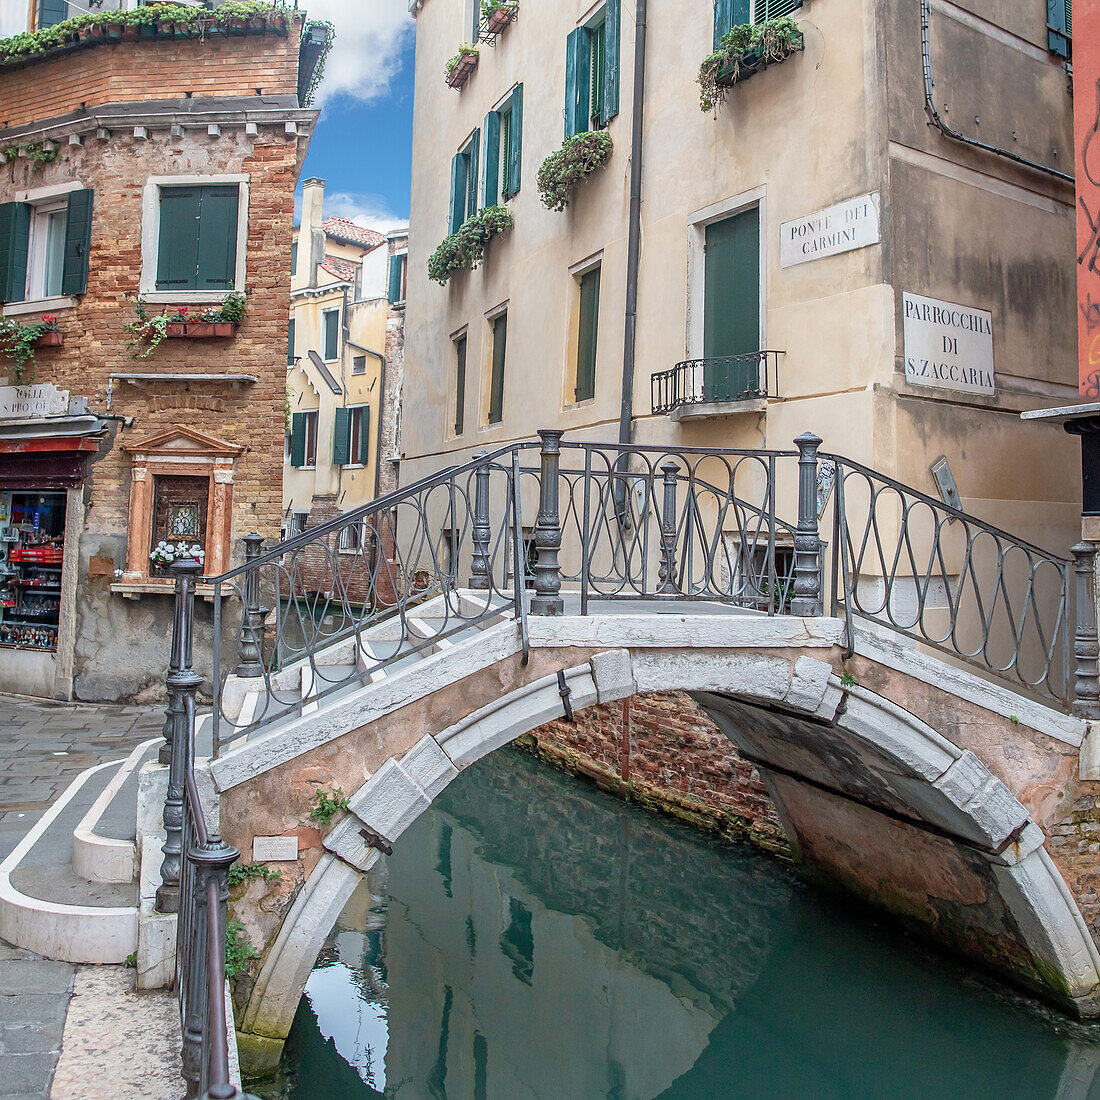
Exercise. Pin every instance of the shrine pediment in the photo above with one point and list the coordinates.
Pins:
(182, 440)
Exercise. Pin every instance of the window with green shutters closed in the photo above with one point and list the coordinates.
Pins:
(464, 173)
(592, 72)
(398, 263)
(1060, 27)
(44, 248)
(303, 439)
(503, 149)
(351, 437)
(198, 237)
(496, 377)
(331, 325)
(290, 343)
(587, 333)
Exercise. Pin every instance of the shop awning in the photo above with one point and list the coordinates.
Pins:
(48, 452)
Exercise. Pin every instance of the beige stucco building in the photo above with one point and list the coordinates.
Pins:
(343, 351)
(740, 249)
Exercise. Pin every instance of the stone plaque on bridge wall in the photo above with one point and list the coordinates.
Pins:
(274, 849)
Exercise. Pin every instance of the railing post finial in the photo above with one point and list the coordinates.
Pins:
(547, 600)
(667, 572)
(807, 544)
(480, 569)
(183, 683)
(251, 662)
(1086, 647)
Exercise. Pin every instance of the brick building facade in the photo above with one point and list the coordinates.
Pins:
(112, 441)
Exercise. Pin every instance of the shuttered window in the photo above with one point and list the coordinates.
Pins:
(727, 15)
(773, 9)
(294, 258)
(496, 379)
(44, 248)
(331, 325)
(351, 436)
(290, 343)
(592, 72)
(52, 12)
(503, 149)
(460, 385)
(1060, 27)
(464, 175)
(303, 439)
(397, 277)
(587, 331)
(198, 237)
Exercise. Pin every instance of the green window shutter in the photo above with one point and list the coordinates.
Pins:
(489, 193)
(52, 12)
(471, 174)
(599, 47)
(332, 334)
(723, 20)
(1059, 27)
(506, 151)
(458, 190)
(515, 145)
(294, 258)
(775, 9)
(298, 439)
(587, 335)
(178, 249)
(496, 383)
(578, 59)
(460, 387)
(341, 439)
(15, 235)
(290, 343)
(78, 241)
(611, 38)
(364, 436)
(217, 257)
(739, 13)
(394, 294)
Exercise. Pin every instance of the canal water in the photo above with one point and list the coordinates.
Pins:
(532, 938)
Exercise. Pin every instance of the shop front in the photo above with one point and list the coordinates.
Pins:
(46, 441)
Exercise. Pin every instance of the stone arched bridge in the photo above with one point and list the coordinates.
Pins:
(899, 673)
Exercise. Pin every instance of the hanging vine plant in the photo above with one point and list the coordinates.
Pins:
(746, 49)
(18, 342)
(38, 153)
(564, 171)
(464, 249)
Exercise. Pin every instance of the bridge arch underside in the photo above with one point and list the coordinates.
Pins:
(871, 797)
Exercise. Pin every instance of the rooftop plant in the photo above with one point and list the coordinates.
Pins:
(464, 249)
(61, 34)
(564, 171)
(772, 40)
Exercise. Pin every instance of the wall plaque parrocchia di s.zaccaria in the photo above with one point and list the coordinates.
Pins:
(947, 345)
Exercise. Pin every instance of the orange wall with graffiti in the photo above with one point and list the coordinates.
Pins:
(1086, 106)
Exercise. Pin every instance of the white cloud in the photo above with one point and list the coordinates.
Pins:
(370, 35)
(369, 211)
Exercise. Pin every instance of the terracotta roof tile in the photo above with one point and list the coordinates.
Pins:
(344, 270)
(344, 230)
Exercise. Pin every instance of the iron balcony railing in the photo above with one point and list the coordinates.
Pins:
(716, 379)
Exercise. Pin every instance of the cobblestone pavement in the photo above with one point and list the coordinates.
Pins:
(43, 748)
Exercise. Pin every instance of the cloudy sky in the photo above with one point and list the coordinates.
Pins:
(363, 144)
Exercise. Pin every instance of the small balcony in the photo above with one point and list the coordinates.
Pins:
(722, 385)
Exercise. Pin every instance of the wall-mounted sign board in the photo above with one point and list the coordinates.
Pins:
(28, 402)
(948, 345)
(845, 227)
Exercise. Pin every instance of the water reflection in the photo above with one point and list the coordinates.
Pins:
(536, 939)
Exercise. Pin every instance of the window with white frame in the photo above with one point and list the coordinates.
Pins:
(194, 237)
(45, 240)
(351, 437)
(303, 439)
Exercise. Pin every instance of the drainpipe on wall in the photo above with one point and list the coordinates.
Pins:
(633, 247)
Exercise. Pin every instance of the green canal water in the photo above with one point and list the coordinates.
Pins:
(533, 938)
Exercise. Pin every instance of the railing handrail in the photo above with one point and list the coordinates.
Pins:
(941, 506)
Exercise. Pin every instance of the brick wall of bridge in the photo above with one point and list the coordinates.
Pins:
(663, 751)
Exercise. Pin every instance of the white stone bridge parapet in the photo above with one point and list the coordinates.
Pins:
(943, 822)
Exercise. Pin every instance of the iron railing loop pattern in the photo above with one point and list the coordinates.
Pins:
(923, 569)
(716, 379)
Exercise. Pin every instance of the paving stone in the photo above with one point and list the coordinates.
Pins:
(32, 1008)
(23, 1074)
(20, 976)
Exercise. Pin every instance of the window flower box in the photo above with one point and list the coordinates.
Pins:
(50, 339)
(461, 66)
(757, 59)
(495, 17)
(200, 330)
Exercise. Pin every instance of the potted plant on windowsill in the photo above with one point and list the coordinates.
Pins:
(460, 66)
(223, 321)
(19, 342)
(745, 50)
(564, 171)
(52, 336)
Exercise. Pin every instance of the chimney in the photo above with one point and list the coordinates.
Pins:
(312, 235)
